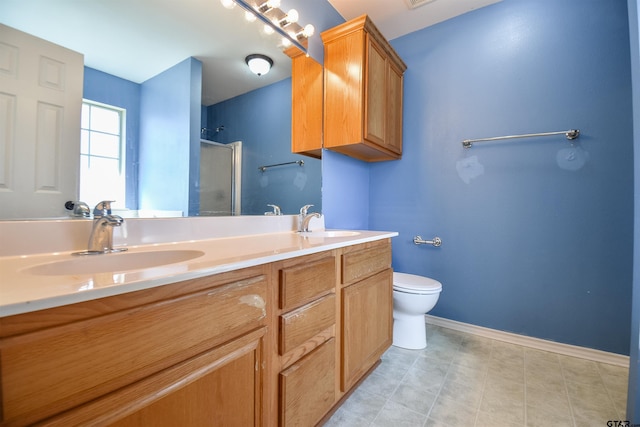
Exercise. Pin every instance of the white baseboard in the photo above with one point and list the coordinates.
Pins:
(537, 343)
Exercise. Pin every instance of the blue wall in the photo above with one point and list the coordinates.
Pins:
(534, 243)
(633, 402)
(261, 119)
(170, 138)
(112, 90)
(345, 190)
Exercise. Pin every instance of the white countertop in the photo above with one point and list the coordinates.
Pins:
(22, 291)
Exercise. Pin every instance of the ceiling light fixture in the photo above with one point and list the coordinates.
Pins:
(268, 5)
(259, 64)
(275, 19)
(306, 32)
(289, 18)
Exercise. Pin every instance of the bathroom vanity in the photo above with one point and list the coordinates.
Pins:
(275, 335)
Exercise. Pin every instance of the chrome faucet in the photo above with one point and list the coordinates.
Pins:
(79, 209)
(276, 210)
(101, 239)
(304, 218)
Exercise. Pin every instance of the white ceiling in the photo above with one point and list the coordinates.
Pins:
(137, 39)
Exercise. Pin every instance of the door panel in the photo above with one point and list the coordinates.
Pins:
(40, 125)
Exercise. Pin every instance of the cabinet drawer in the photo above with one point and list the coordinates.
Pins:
(302, 324)
(214, 388)
(306, 280)
(365, 260)
(308, 387)
(51, 370)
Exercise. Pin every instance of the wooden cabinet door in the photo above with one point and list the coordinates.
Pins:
(393, 140)
(367, 316)
(375, 117)
(221, 387)
(306, 110)
(343, 90)
(362, 96)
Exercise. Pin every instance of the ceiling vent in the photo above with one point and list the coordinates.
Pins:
(412, 4)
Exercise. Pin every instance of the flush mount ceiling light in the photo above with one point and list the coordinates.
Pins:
(259, 64)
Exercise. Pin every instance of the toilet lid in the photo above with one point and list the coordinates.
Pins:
(412, 282)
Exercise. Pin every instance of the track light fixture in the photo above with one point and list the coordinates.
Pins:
(275, 20)
(268, 5)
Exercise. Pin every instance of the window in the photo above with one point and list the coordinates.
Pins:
(102, 149)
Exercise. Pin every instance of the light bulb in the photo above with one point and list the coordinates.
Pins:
(268, 5)
(229, 4)
(292, 16)
(308, 30)
(289, 18)
(267, 29)
(286, 42)
(249, 16)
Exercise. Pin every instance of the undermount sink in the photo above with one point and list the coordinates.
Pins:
(329, 233)
(112, 263)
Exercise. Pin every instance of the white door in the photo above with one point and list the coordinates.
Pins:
(40, 107)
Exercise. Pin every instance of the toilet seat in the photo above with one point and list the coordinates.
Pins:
(414, 284)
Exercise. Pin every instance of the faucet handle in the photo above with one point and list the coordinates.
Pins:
(304, 209)
(276, 210)
(102, 209)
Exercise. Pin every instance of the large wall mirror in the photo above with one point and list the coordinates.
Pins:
(178, 69)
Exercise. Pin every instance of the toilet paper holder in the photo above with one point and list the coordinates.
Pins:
(436, 241)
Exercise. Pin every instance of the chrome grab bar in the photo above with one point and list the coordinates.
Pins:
(436, 241)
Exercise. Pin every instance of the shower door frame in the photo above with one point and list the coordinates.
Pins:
(236, 173)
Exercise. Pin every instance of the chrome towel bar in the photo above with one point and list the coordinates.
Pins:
(436, 241)
(264, 168)
(569, 134)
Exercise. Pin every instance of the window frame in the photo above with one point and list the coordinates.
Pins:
(122, 149)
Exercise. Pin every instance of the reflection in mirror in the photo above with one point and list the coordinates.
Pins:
(166, 110)
(220, 178)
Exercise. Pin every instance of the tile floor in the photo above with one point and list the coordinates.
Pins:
(467, 380)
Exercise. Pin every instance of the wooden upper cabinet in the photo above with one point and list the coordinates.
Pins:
(362, 92)
(306, 113)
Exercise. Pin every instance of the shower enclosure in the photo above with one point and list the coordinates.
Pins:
(220, 178)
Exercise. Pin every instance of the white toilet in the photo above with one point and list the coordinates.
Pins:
(413, 297)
